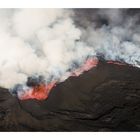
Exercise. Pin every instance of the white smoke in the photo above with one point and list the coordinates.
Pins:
(48, 42)
(118, 40)
(38, 42)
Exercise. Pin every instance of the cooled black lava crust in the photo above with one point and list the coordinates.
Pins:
(106, 98)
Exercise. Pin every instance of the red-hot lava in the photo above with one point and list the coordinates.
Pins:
(116, 63)
(41, 91)
(90, 63)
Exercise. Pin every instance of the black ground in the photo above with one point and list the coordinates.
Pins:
(106, 98)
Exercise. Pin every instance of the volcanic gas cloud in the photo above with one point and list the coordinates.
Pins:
(41, 90)
(58, 43)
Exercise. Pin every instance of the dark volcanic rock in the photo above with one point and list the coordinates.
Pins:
(106, 98)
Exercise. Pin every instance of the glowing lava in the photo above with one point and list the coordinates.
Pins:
(90, 63)
(116, 63)
(41, 91)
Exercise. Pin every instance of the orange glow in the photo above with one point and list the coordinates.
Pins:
(40, 92)
(115, 62)
(90, 63)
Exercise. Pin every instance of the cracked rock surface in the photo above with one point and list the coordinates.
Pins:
(106, 98)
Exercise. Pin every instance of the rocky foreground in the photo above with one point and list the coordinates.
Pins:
(106, 98)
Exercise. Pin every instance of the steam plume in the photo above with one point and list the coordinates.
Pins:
(114, 33)
(53, 43)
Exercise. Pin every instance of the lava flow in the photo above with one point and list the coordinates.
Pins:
(41, 91)
(90, 63)
(116, 63)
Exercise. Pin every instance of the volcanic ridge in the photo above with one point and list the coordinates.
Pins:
(105, 98)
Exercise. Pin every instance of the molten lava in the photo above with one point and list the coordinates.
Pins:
(90, 63)
(41, 91)
(116, 63)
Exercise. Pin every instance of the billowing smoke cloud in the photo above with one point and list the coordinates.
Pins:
(37, 42)
(113, 33)
(54, 42)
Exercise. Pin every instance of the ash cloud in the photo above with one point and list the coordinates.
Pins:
(49, 42)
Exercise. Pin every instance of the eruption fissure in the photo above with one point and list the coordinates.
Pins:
(59, 43)
(41, 91)
(116, 63)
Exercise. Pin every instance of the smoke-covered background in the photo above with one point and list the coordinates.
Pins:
(113, 33)
(53, 42)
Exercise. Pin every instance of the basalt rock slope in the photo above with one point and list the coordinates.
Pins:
(106, 98)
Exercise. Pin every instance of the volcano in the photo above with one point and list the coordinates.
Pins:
(105, 98)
